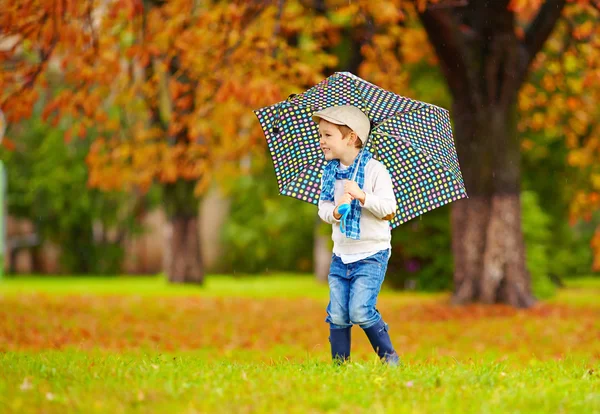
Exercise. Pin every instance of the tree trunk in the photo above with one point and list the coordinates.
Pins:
(321, 252)
(485, 64)
(183, 262)
(487, 238)
(214, 212)
(489, 252)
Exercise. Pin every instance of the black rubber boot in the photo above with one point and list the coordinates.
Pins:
(381, 342)
(340, 344)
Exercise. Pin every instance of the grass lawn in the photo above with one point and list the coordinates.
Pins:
(259, 344)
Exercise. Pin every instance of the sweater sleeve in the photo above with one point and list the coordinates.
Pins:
(382, 201)
(326, 209)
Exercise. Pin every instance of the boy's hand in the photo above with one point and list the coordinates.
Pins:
(352, 188)
(346, 199)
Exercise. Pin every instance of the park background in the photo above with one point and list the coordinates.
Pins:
(143, 215)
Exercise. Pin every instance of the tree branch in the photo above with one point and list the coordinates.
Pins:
(537, 33)
(31, 77)
(450, 46)
(90, 23)
(280, 5)
(249, 16)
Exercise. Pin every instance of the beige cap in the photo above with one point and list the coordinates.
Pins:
(348, 115)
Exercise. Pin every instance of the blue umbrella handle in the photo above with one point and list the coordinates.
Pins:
(344, 210)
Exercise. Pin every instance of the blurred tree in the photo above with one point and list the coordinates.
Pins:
(183, 75)
(44, 175)
(486, 53)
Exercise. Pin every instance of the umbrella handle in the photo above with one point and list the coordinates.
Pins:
(357, 165)
(344, 210)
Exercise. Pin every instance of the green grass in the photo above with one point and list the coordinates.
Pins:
(259, 344)
(215, 286)
(59, 382)
(590, 282)
(584, 291)
(272, 286)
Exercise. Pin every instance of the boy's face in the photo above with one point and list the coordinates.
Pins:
(333, 144)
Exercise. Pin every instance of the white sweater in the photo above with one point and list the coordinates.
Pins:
(375, 233)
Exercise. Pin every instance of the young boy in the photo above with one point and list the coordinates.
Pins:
(361, 239)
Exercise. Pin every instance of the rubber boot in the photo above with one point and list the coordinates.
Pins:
(340, 344)
(381, 342)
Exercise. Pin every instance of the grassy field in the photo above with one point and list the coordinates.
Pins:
(133, 344)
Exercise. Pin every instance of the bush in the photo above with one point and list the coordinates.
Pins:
(267, 231)
(422, 253)
(536, 230)
(548, 174)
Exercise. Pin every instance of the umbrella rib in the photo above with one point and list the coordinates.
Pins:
(356, 80)
(400, 114)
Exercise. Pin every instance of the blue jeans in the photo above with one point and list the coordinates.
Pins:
(353, 291)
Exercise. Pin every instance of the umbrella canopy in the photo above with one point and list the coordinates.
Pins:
(412, 139)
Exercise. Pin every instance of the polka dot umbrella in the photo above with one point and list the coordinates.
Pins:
(412, 139)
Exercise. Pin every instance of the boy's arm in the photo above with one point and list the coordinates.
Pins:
(382, 202)
(326, 212)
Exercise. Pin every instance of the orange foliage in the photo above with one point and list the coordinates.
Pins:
(566, 105)
(170, 89)
(119, 323)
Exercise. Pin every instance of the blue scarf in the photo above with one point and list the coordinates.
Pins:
(350, 221)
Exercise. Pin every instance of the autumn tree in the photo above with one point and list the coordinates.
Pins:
(486, 51)
(486, 57)
(183, 75)
(561, 100)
